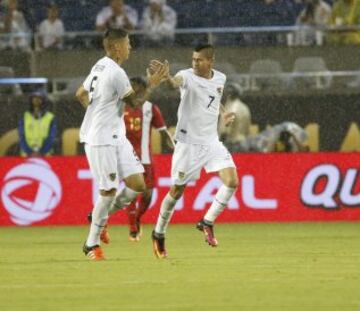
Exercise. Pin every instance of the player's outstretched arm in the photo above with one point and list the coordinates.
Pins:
(83, 97)
(175, 82)
(154, 79)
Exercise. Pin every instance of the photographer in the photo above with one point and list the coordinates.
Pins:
(283, 137)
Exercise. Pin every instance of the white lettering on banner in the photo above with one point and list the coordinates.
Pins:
(207, 195)
(249, 198)
(326, 198)
(48, 194)
(349, 183)
(166, 182)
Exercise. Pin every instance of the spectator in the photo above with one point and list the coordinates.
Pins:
(16, 26)
(51, 30)
(159, 23)
(116, 15)
(37, 128)
(345, 13)
(316, 13)
(234, 135)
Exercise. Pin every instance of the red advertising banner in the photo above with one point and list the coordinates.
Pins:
(273, 187)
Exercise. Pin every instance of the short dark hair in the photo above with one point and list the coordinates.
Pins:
(139, 81)
(113, 34)
(208, 49)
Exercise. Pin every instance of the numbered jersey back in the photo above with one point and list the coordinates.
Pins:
(199, 107)
(107, 84)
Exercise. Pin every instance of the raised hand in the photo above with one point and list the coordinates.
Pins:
(157, 72)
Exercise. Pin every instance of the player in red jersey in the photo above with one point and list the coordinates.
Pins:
(139, 119)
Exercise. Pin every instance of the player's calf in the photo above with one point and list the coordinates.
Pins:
(104, 235)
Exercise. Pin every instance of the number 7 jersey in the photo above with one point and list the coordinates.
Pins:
(107, 85)
(199, 107)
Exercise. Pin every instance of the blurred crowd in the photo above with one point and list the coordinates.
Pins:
(158, 20)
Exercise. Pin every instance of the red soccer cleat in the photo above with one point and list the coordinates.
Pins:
(208, 231)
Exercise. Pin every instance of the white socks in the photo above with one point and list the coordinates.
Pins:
(123, 199)
(99, 219)
(222, 198)
(166, 211)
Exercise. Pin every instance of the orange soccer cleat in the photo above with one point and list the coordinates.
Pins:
(94, 253)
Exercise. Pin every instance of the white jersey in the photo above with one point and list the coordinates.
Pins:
(103, 123)
(199, 107)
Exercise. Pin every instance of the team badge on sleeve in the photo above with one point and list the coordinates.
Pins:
(220, 90)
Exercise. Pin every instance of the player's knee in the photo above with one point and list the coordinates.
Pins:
(177, 191)
(232, 182)
(140, 186)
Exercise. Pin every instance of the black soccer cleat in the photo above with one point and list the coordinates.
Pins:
(158, 245)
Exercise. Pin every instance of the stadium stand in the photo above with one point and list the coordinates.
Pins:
(80, 15)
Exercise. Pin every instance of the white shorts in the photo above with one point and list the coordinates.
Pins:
(111, 164)
(188, 161)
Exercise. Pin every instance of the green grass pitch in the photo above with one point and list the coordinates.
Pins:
(270, 267)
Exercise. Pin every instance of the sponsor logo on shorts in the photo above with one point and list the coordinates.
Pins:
(112, 176)
(181, 175)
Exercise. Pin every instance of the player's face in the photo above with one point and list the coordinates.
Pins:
(201, 64)
(138, 89)
(123, 48)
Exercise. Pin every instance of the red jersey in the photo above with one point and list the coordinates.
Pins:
(138, 122)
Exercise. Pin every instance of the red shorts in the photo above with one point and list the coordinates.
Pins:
(149, 176)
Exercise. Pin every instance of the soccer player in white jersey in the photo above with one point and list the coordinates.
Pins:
(197, 143)
(110, 155)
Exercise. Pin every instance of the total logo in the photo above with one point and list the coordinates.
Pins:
(36, 175)
(339, 189)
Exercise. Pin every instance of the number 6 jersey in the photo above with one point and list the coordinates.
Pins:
(107, 85)
(199, 107)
